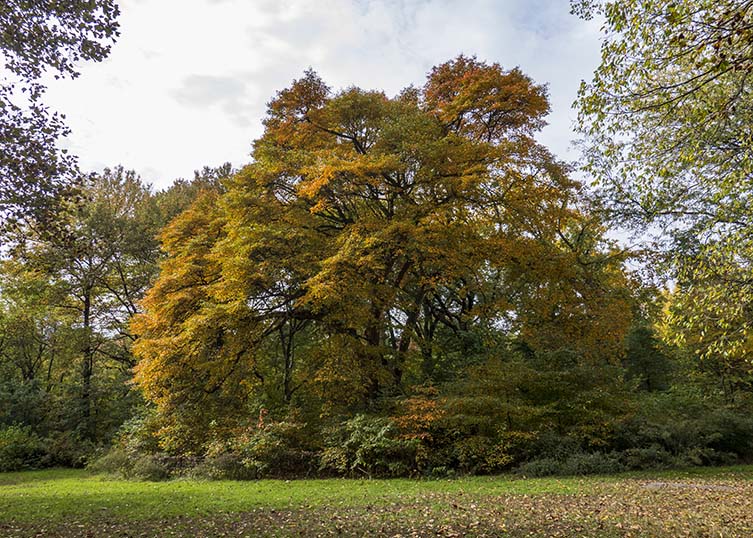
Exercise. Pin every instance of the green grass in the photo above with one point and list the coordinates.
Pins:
(65, 494)
(691, 502)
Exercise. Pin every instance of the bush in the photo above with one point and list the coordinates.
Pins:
(115, 461)
(689, 429)
(120, 462)
(67, 449)
(540, 467)
(224, 466)
(481, 455)
(592, 463)
(706, 456)
(441, 472)
(551, 445)
(150, 468)
(138, 435)
(726, 431)
(368, 446)
(652, 457)
(136, 454)
(278, 449)
(581, 463)
(20, 449)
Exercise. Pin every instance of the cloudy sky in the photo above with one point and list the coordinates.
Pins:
(187, 83)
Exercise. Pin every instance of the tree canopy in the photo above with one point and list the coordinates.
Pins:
(366, 227)
(40, 38)
(665, 121)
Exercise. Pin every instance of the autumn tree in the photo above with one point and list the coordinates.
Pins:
(172, 356)
(366, 223)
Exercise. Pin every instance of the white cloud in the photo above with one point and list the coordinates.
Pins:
(187, 84)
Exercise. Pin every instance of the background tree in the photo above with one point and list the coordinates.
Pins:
(666, 121)
(100, 265)
(36, 345)
(39, 38)
(646, 361)
(182, 193)
(65, 302)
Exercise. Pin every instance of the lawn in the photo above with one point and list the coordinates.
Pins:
(68, 503)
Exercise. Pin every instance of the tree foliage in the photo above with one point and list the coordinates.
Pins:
(666, 124)
(181, 193)
(65, 302)
(39, 38)
(366, 227)
(95, 270)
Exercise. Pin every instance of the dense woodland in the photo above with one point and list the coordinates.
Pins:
(405, 285)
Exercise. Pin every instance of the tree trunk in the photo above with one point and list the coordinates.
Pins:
(87, 369)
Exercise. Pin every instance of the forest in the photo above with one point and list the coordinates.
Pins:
(405, 285)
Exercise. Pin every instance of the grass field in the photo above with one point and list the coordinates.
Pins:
(67, 503)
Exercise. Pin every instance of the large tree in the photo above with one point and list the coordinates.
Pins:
(100, 265)
(39, 38)
(666, 122)
(364, 225)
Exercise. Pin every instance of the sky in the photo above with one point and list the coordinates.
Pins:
(187, 83)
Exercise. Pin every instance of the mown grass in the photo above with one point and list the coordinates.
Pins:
(56, 494)
(693, 502)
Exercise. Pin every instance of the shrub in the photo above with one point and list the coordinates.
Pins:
(139, 435)
(67, 449)
(20, 449)
(581, 463)
(223, 466)
(652, 457)
(274, 449)
(726, 431)
(520, 445)
(706, 456)
(441, 472)
(278, 449)
(115, 461)
(150, 468)
(688, 428)
(368, 446)
(592, 463)
(541, 467)
(136, 454)
(551, 445)
(120, 462)
(481, 455)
